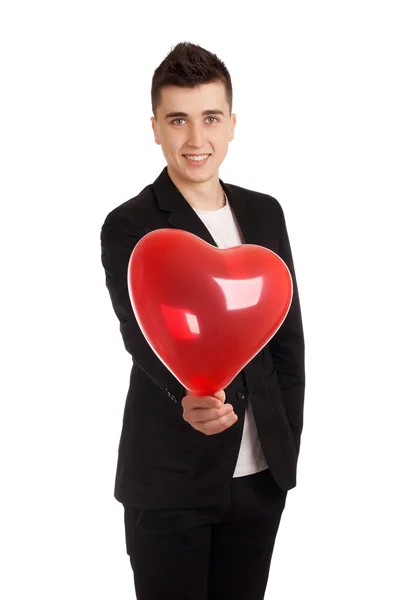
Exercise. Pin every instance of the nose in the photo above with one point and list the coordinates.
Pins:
(196, 135)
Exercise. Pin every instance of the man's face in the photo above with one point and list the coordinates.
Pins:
(194, 128)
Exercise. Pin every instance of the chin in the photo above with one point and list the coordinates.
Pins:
(200, 177)
(200, 173)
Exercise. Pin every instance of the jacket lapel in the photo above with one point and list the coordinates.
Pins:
(243, 211)
(177, 211)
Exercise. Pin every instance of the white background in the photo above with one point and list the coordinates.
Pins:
(317, 103)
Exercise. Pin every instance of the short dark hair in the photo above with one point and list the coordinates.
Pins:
(189, 65)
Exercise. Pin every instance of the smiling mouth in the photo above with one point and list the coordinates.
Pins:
(200, 158)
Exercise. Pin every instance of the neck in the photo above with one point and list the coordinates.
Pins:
(205, 195)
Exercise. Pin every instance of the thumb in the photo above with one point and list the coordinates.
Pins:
(220, 395)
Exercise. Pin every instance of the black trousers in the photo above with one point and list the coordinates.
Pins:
(220, 552)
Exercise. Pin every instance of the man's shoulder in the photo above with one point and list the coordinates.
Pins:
(135, 209)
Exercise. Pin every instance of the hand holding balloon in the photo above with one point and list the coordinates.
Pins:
(208, 414)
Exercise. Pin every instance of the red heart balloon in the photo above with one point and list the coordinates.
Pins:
(206, 311)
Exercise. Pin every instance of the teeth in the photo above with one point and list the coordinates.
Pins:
(198, 158)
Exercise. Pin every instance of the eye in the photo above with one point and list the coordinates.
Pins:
(215, 119)
(175, 121)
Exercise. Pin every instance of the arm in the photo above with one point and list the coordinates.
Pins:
(118, 239)
(287, 348)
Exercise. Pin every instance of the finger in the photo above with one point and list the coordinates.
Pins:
(218, 425)
(202, 415)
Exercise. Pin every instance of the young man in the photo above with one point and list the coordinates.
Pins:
(203, 481)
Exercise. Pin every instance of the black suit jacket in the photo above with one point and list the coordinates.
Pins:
(162, 461)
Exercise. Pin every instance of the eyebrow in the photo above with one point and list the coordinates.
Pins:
(215, 111)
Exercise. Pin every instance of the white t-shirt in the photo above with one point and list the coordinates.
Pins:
(225, 231)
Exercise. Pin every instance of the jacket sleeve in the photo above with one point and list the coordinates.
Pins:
(287, 347)
(118, 239)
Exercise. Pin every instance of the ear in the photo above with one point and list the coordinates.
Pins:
(232, 127)
(154, 126)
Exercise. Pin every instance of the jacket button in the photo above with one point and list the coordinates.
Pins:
(171, 396)
(240, 395)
